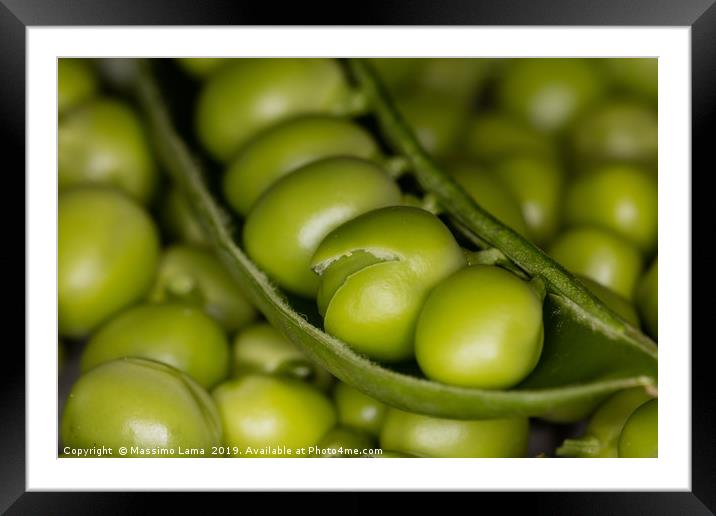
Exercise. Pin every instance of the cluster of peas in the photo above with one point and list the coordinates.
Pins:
(561, 150)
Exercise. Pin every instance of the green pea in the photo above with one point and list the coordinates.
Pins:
(177, 335)
(455, 78)
(108, 250)
(617, 303)
(617, 131)
(288, 146)
(640, 438)
(201, 67)
(437, 122)
(277, 415)
(426, 436)
(193, 275)
(549, 93)
(343, 442)
(601, 437)
(142, 405)
(536, 184)
(482, 328)
(289, 221)
(376, 271)
(638, 76)
(359, 411)
(261, 348)
(601, 256)
(619, 198)
(647, 299)
(103, 142)
(248, 95)
(76, 83)
(492, 137)
(492, 194)
(180, 222)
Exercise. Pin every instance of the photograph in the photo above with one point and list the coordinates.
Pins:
(357, 257)
(276, 253)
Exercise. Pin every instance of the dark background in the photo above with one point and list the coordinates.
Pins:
(16, 15)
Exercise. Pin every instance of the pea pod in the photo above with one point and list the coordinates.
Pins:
(623, 357)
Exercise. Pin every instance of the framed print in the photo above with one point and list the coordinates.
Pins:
(425, 235)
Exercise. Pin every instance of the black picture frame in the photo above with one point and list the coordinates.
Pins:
(16, 16)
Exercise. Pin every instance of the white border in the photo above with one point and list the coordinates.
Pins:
(671, 471)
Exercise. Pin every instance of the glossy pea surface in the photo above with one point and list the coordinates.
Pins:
(647, 299)
(601, 256)
(618, 198)
(491, 194)
(358, 410)
(248, 95)
(376, 271)
(264, 411)
(174, 334)
(288, 146)
(639, 437)
(289, 221)
(195, 276)
(549, 93)
(103, 142)
(136, 402)
(76, 83)
(482, 328)
(105, 261)
(537, 185)
(425, 436)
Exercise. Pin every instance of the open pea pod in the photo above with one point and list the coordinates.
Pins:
(562, 379)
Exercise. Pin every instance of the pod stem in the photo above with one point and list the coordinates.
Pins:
(581, 447)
